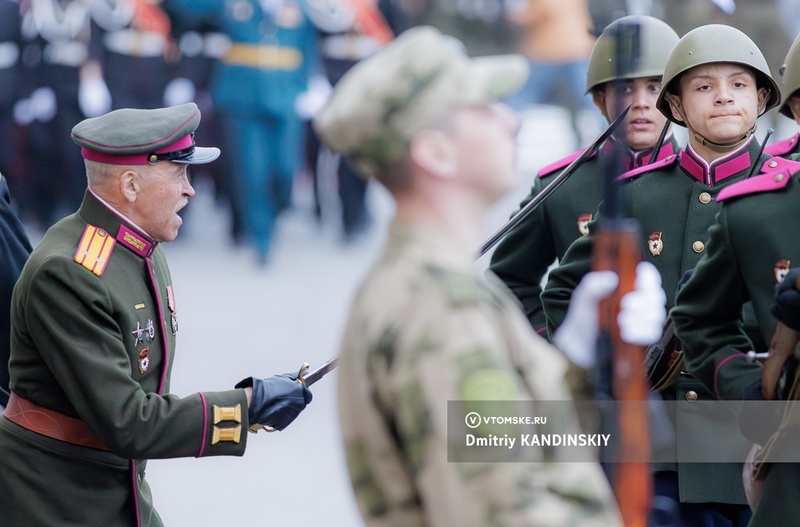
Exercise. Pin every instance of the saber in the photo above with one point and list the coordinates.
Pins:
(307, 380)
(315, 375)
(537, 200)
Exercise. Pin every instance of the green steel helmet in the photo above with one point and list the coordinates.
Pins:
(790, 77)
(656, 41)
(709, 44)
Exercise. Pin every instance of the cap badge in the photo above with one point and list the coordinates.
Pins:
(655, 243)
(583, 223)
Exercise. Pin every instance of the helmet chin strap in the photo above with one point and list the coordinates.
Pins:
(720, 148)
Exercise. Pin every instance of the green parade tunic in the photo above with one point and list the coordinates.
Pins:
(751, 247)
(524, 256)
(94, 322)
(674, 203)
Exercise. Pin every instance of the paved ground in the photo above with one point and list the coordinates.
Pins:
(237, 320)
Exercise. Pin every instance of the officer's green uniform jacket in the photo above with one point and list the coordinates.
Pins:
(674, 203)
(94, 319)
(426, 328)
(522, 259)
(750, 249)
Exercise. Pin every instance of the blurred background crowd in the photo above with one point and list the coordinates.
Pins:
(261, 69)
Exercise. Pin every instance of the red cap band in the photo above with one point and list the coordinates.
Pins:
(135, 159)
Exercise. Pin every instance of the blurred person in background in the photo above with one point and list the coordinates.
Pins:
(790, 104)
(14, 250)
(272, 56)
(10, 86)
(349, 32)
(63, 85)
(557, 40)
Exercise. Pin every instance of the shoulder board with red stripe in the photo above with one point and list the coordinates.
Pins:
(776, 174)
(561, 163)
(644, 169)
(781, 148)
(94, 249)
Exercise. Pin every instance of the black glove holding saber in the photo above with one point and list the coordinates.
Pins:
(274, 402)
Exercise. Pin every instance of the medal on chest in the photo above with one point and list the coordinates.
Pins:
(655, 243)
(781, 270)
(144, 361)
(583, 223)
(172, 309)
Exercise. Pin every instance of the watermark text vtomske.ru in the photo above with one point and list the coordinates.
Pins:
(474, 420)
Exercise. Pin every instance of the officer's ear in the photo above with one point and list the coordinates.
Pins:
(130, 185)
(434, 152)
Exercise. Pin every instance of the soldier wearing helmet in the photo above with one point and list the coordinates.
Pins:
(522, 259)
(716, 84)
(750, 253)
(790, 104)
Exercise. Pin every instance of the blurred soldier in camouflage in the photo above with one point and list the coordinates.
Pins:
(426, 327)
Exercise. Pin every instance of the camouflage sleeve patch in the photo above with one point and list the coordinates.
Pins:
(94, 249)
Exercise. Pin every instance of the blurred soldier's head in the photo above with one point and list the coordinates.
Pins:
(422, 105)
(614, 90)
(790, 82)
(717, 83)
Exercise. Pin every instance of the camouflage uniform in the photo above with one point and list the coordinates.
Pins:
(425, 328)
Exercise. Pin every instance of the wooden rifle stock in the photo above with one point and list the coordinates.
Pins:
(616, 248)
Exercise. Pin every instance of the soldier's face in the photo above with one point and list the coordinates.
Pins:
(484, 140)
(165, 190)
(721, 101)
(644, 121)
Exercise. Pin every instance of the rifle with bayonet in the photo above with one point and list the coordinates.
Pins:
(616, 247)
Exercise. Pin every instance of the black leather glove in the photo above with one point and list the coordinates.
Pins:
(276, 400)
(786, 305)
(758, 419)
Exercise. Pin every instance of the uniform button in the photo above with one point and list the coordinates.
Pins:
(691, 396)
(705, 197)
(778, 178)
(698, 246)
(772, 164)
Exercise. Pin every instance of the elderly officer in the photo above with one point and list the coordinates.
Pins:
(95, 322)
(426, 327)
(716, 83)
(790, 105)
(522, 259)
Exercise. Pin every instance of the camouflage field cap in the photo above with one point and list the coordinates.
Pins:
(709, 44)
(657, 39)
(790, 77)
(139, 137)
(409, 85)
